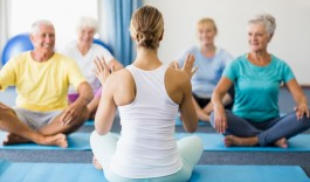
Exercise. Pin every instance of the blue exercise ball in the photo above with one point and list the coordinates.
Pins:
(16, 45)
(104, 45)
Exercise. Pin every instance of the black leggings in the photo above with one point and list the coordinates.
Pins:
(202, 102)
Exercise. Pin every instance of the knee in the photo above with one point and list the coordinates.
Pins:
(196, 144)
(5, 112)
(305, 121)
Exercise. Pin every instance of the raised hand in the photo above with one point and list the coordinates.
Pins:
(102, 70)
(188, 66)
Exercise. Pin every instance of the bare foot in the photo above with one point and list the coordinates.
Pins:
(96, 164)
(14, 139)
(58, 140)
(231, 140)
(282, 143)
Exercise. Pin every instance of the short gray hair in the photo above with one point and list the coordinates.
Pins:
(87, 22)
(35, 27)
(267, 20)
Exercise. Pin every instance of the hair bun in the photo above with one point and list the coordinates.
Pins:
(147, 27)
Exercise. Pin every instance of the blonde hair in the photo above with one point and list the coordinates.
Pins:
(267, 20)
(147, 27)
(208, 21)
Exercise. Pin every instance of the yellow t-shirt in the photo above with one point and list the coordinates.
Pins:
(41, 86)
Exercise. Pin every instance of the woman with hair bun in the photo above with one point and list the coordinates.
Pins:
(148, 96)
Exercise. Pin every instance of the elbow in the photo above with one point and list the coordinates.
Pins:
(191, 130)
(87, 91)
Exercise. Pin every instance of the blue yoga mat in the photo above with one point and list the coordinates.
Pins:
(178, 122)
(77, 141)
(214, 142)
(65, 172)
(211, 142)
(89, 123)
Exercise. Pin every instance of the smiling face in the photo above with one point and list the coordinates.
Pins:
(86, 36)
(43, 40)
(206, 34)
(258, 37)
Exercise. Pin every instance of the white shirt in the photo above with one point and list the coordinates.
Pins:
(147, 147)
(86, 62)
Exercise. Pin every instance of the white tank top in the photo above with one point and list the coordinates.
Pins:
(147, 147)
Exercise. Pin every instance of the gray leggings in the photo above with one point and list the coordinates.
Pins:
(268, 131)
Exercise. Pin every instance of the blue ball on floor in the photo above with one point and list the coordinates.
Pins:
(16, 45)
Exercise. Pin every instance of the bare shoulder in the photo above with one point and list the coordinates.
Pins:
(121, 76)
(177, 83)
(122, 86)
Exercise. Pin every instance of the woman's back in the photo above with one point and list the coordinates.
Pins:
(147, 147)
(148, 96)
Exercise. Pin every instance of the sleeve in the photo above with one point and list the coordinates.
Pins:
(74, 74)
(231, 71)
(8, 74)
(287, 74)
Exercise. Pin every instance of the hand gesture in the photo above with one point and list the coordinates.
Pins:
(102, 70)
(187, 67)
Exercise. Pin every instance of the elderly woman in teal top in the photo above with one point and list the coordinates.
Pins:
(257, 77)
(210, 61)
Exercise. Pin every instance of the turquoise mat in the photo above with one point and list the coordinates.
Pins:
(211, 142)
(77, 141)
(89, 123)
(214, 142)
(178, 122)
(69, 172)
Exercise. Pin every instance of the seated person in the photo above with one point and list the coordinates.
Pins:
(148, 95)
(42, 79)
(10, 123)
(257, 77)
(84, 52)
(210, 61)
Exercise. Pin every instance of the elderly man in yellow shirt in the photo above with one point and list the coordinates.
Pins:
(42, 78)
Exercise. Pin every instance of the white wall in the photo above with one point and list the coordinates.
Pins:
(291, 41)
(3, 24)
(63, 13)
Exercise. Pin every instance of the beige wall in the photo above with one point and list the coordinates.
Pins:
(291, 41)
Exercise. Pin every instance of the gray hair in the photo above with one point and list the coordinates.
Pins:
(35, 27)
(87, 22)
(267, 20)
